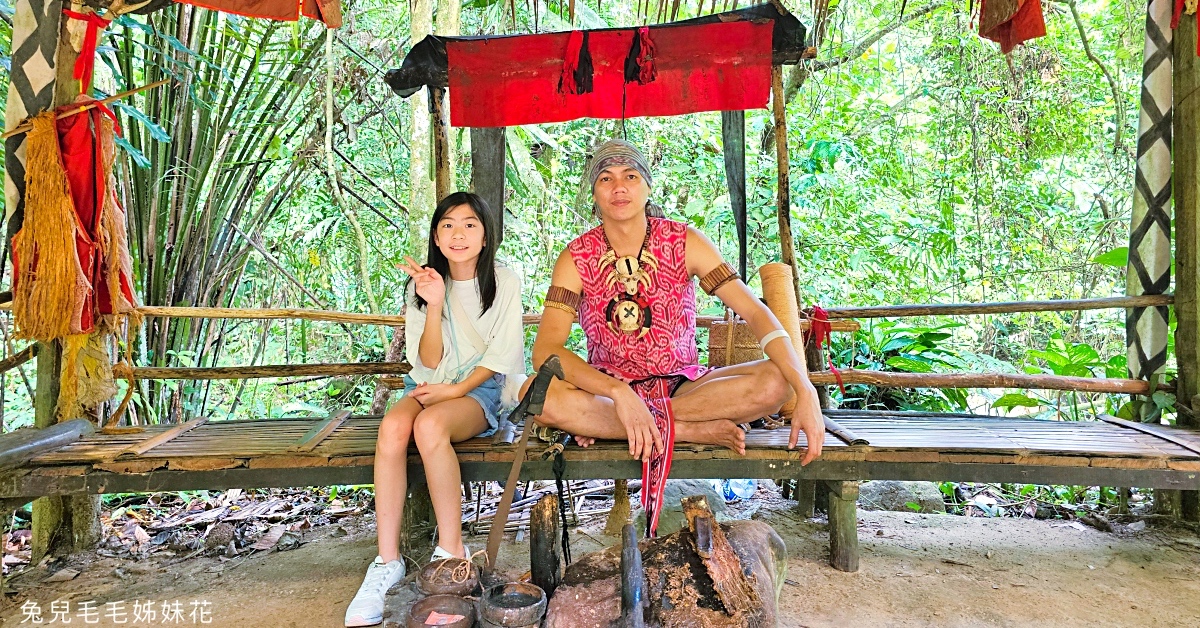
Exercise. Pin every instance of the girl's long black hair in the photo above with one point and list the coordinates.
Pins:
(485, 267)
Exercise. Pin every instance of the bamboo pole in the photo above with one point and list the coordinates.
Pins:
(820, 378)
(264, 370)
(393, 320)
(28, 126)
(272, 313)
(13, 361)
(1003, 307)
(985, 380)
(840, 314)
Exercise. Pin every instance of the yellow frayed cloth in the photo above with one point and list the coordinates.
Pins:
(50, 288)
(49, 282)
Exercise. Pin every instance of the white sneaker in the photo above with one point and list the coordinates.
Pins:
(366, 609)
(439, 554)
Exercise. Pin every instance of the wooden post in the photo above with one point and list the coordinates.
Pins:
(619, 515)
(733, 145)
(783, 195)
(806, 497)
(443, 176)
(545, 557)
(1186, 184)
(488, 158)
(843, 525)
(806, 490)
(418, 521)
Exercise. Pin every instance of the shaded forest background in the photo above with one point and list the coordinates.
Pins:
(926, 167)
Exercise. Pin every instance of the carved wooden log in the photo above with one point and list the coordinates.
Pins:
(732, 586)
(545, 561)
(678, 590)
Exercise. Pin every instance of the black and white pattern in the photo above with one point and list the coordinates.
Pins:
(1149, 270)
(30, 91)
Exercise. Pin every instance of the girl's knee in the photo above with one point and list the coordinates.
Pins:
(429, 431)
(395, 429)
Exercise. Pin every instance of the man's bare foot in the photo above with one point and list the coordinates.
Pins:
(721, 432)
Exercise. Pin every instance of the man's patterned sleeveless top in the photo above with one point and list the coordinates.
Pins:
(669, 346)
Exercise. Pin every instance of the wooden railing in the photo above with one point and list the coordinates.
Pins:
(841, 323)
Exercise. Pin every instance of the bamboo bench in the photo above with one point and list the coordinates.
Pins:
(339, 450)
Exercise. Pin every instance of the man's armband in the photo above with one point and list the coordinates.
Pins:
(560, 298)
(718, 277)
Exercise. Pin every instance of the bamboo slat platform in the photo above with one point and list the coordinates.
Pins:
(902, 446)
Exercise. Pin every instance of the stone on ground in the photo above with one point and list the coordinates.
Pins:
(671, 519)
(901, 496)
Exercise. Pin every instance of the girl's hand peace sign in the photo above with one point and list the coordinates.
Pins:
(429, 284)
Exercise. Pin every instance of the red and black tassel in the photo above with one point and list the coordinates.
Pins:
(577, 66)
(639, 65)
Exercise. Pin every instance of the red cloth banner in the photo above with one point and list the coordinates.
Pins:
(328, 11)
(507, 81)
(1011, 22)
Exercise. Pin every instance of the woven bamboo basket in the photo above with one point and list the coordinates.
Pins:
(732, 342)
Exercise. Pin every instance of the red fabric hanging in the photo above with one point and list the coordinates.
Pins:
(820, 330)
(86, 62)
(1011, 22)
(705, 67)
(83, 164)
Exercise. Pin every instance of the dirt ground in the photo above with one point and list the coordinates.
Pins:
(917, 570)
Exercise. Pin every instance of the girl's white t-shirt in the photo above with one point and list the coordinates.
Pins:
(500, 327)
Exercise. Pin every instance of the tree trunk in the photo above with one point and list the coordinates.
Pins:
(1186, 183)
(62, 523)
(449, 23)
(421, 199)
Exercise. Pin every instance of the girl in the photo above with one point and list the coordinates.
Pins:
(462, 339)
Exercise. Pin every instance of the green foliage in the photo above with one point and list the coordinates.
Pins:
(892, 346)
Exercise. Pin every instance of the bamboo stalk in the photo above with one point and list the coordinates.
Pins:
(984, 380)
(271, 370)
(28, 126)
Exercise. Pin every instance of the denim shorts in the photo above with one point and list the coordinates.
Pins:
(487, 395)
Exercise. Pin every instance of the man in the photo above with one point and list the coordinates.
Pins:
(630, 281)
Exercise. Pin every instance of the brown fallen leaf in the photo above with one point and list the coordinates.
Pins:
(269, 539)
